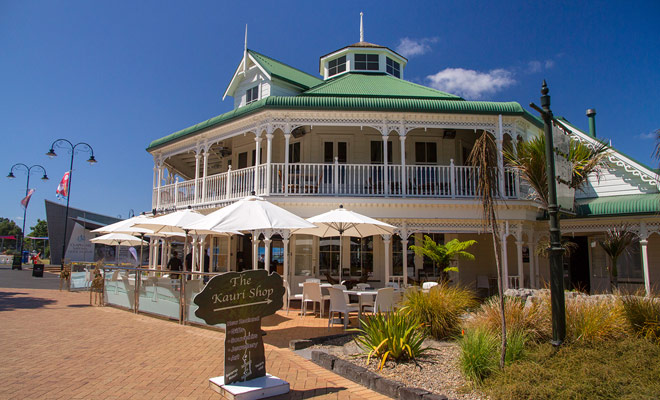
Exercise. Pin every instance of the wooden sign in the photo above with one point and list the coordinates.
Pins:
(240, 300)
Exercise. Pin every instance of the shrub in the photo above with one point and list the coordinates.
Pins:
(515, 346)
(592, 321)
(533, 321)
(625, 369)
(440, 309)
(479, 356)
(643, 315)
(398, 336)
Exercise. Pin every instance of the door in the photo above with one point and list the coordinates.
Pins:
(578, 266)
(600, 277)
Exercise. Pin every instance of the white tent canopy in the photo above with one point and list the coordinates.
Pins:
(125, 226)
(118, 239)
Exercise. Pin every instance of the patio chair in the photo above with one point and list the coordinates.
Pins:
(343, 289)
(429, 285)
(362, 286)
(316, 280)
(366, 300)
(483, 283)
(312, 294)
(288, 297)
(384, 301)
(393, 285)
(338, 305)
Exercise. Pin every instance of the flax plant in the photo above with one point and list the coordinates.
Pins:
(484, 156)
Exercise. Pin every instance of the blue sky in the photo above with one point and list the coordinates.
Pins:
(119, 74)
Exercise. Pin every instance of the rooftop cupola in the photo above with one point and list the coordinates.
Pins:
(362, 57)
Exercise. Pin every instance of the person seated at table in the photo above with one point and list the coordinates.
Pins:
(206, 264)
(189, 258)
(174, 265)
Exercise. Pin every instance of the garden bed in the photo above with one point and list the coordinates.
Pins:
(436, 372)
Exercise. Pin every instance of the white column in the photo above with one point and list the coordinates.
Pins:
(257, 156)
(269, 159)
(267, 243)
(204, 174)
(505, 263)
(386, 180)
(287, 138)
(158, 183)
(521, 272)
(537, 270)
(229, 251)
(532, 262)
(500, 158)
(163, 254)
(404, 246)
(197, 157)
(404, 179)
(255, 250)
(387, 242)
(285, 241)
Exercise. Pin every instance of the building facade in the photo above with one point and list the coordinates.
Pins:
(361, 136)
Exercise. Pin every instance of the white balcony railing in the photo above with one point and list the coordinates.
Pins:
(368, 180)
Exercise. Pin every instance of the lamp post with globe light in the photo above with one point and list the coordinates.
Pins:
(62, 143)
(28, 171)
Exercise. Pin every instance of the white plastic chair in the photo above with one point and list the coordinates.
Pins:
(429, 285)
(392, 285)
(483, 283)
(366, 300)
(315, 280)
(384, 301)
(362, 286)
(338, 305)
(312, 294)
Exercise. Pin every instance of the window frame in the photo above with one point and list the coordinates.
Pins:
(250, 96)
(368, 63)
(338, 67)
(427, 152)
(394, 69)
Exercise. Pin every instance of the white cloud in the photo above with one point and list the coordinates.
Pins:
(549, 64)
(414, 47)
(536, 66)
(648, 136)
(470, 83)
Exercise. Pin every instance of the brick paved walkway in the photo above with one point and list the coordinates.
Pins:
(54, 346)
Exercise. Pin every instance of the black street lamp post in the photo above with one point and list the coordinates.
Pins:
(62, 143)
(11, 175)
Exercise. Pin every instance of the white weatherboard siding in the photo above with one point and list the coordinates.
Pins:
(615, 181)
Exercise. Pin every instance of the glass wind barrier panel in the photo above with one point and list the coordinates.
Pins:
(160, 295)
(81, 276)
(193, 287)
(120, 288)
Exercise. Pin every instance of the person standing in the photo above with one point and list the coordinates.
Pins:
(174, 264)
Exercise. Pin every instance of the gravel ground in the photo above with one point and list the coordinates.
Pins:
(437, 372)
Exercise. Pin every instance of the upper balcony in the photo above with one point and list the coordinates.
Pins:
(330, 179)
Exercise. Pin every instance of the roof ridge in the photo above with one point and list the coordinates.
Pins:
(285, 64)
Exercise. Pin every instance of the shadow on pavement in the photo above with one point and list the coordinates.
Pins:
(309, 393)
(10, 301)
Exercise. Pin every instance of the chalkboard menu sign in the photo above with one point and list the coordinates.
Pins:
(240, 300)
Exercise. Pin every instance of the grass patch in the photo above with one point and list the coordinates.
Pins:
(643, 315)
(440, 309)
(478, 359)
(626, 369)
(594, 321)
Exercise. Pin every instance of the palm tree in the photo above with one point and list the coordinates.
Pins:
(616, 244)
(529, 160)
(444, 254)
(484, 157)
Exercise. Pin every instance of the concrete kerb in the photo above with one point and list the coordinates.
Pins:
(371, 380)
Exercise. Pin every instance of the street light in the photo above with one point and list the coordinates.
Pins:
(62, 143)
(11, 175)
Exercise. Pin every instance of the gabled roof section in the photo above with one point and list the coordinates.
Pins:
(376, 85)
(285, 72)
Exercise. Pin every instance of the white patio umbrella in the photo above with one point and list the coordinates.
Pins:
(126, 226)
(251, 214)
(118, 239)
(342, 222)
(176, 223)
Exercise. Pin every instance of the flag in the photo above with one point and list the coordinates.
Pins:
(26, 199)
(63, 188)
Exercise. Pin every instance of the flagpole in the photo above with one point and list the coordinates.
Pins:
(91, 160)
(27, 190)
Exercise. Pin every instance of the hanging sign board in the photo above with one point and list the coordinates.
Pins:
(240, 300)
(563, 169)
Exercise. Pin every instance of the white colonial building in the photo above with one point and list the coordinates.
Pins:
(361, 136)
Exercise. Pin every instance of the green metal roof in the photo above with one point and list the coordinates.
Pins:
(375, 85)
(285, 72)
(422, 105)
(619, 205)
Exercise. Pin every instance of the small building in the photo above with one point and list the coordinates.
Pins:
(359, 135)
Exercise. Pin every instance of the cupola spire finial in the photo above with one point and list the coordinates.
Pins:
(361, 28)
(245, 51)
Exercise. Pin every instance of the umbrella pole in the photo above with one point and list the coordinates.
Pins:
(341, 253)
(141, 241)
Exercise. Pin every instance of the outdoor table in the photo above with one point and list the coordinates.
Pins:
(323, 285)
(360, 294)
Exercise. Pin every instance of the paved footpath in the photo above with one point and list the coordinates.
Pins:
(53, 345)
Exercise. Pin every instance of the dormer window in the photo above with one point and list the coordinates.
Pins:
(393, 68)
(336, 66)
(252, 95)
(366, 62)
